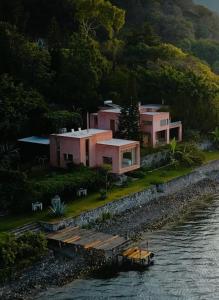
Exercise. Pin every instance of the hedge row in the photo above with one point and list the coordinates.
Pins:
(65, 184)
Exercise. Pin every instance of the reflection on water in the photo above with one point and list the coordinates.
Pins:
(186, 266)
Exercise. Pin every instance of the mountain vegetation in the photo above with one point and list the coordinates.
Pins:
(211, 4)
(62, 58)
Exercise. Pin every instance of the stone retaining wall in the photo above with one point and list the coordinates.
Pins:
(137, 199)
(155, 159)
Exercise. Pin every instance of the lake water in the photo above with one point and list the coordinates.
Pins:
(186, 265)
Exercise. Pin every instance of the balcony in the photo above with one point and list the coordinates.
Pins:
(175, 124)
(161, 142)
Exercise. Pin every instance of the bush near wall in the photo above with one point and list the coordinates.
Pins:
(21, 252)
(14, 190)
(66, 184)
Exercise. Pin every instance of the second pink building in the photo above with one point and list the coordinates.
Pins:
(156, 126)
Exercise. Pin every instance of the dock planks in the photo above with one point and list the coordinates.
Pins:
(88, 239)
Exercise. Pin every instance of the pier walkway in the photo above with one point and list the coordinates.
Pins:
(98, 244)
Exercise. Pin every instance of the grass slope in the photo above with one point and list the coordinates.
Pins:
(92, 201)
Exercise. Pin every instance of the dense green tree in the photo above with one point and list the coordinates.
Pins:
(92, 14)
(206, 50)
(61, 119)
(82, 67)
(20, 109)
(14, 191)
(26, 60)
(77, 52)
(54, 37)
(187, 93)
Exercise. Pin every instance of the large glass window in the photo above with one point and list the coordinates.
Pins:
(129, 158)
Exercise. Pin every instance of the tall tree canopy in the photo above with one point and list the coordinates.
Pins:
(56, 54)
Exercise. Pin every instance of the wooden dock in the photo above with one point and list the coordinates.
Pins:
(99, 245)
(136, 255)
(88, 240)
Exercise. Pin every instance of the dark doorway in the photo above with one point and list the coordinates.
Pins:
(174, 133)
(87, 147)
(113, 125)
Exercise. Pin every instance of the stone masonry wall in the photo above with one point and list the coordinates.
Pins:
(155, 159)
(137, 199)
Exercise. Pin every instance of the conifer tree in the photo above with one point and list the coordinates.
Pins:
(129, 120)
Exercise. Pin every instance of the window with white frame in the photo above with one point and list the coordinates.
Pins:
(164, 122)
(129, 158)
(68, 157)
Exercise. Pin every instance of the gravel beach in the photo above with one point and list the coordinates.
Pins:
(55, 270)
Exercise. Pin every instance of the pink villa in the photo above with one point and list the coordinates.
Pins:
(155, 125)
(93, 148)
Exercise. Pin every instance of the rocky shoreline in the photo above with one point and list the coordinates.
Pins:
(158, 212)
(55, 270)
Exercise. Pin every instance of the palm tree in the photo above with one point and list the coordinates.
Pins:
(173, 145)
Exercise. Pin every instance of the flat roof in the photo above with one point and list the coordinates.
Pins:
(116, 142)
(82, 133)
(35, 140)
(112, 110)
(152, 105)
(151, 113)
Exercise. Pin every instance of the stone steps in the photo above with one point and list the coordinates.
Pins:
(32, 227)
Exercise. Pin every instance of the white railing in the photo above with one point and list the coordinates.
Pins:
(175, 123)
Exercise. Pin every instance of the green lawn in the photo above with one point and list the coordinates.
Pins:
(211, 155)
(92, 201)
(77, 206)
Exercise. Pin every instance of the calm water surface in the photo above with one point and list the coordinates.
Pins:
(186, 266)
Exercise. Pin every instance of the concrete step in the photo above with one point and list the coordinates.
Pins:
(33, 227)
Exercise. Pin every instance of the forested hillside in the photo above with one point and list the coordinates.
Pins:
(211, 4)
(60, 58)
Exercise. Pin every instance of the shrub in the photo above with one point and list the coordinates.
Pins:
(189, 155)
(103, 194)
(65, 184)
(58, 208)
(17, 253)
(137, 174)
(31, 246)
(104, 217)
(14, 191)
(215, 136)
(192, 135)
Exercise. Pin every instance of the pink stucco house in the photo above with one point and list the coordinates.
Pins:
(93, 148)
(155, 125)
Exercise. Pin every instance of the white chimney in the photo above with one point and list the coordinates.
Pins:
(72, 130)
(108, 102)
